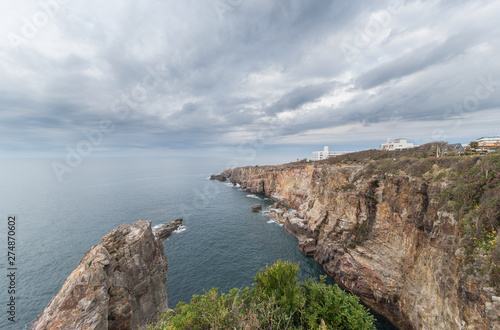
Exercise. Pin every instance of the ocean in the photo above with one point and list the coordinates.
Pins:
(223, 245)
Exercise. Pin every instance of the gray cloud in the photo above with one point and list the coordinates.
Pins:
(193, 76)
(416, 60)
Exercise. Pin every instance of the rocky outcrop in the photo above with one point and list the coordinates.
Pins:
(385, 238)
(168, 228)
(256, 207)
(118, 284)
(221, 177)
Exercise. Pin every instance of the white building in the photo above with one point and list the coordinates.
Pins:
(325, 154)
(397, 144)
(489, 141)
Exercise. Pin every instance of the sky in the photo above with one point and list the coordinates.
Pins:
(249, 78)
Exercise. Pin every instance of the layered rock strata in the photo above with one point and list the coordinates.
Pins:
(118, 284)
(384, 238)
(167, 229)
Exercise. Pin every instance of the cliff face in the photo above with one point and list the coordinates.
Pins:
(384, 238)
(118, 284)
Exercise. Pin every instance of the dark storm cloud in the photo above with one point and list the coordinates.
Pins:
(299, 96)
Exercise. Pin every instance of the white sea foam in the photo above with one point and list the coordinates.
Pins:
(253, 196)
(180, 229)
(155, 228)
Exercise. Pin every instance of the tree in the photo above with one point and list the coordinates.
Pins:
(474, 145)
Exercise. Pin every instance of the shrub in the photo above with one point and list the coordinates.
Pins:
(330, 304)
(276, 301)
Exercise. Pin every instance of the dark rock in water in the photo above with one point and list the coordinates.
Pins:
(167, 229)
(256, 207)
(221, 177)
(118, 284)
(218, 177)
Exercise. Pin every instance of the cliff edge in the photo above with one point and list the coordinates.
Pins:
(118, 284)
(387, 231)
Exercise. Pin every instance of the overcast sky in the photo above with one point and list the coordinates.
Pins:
(224, 77)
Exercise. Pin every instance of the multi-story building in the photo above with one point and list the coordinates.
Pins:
(325, 154)
(396, 144)
(489, 142)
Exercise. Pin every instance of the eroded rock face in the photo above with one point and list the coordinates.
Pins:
(118, 284)
(383, 238)
(168, 228)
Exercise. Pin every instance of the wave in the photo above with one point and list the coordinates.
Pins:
(274, 221)
(155, 228)
(180, 229)
(253, 196)
(230, 184)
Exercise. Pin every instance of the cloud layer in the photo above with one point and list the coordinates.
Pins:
(215, 74)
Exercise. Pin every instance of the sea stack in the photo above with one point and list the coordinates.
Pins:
(118, 284)
(167, 229)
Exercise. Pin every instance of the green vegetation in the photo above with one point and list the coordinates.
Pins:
(474, 197)
(277, 300)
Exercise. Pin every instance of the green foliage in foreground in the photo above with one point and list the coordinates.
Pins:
(276, 301)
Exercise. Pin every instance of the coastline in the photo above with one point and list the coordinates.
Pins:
(383, 237)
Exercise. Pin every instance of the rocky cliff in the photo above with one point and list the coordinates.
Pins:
(118, 284)
(383, 237)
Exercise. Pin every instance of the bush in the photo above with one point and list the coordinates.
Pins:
(338, 310)
(276, 301)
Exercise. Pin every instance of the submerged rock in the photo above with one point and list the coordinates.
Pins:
(118, 284)
(167, 229)
(256, 207)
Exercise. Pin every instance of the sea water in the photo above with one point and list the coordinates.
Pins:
(223, 243)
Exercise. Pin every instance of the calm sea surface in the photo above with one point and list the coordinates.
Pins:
(223, 246)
